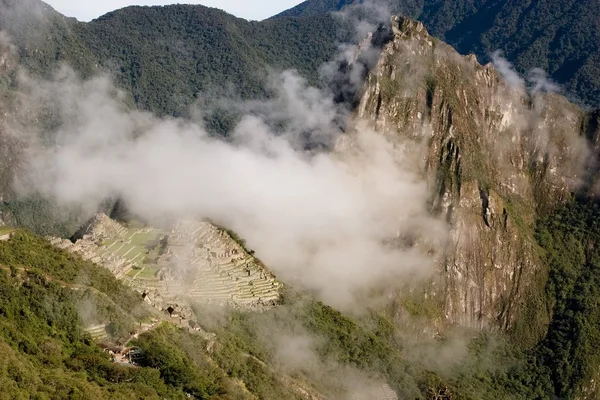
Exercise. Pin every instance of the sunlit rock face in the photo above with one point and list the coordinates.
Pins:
(496, 154)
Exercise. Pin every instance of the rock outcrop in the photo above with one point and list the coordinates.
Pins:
(495, 157)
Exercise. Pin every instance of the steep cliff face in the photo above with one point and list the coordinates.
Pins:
(496, 156)
(9, 144)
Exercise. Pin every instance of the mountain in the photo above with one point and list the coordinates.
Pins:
(558, 37)
(199, 44)
(511, 311)
(481, 185)
(165, 59)
(204, 49)
(503, 166)
(52, 319)
(201, 49)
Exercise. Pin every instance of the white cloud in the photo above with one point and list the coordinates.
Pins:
(322, 221)
(313, 218)
(254, 10)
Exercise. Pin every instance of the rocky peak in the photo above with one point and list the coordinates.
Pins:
(495, 155)
(406, 27)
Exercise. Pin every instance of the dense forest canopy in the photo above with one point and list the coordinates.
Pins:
(207, 50)
(560, 37)
(165, 57)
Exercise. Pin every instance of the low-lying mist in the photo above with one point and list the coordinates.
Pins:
(330, 205)
(327, 203)
(321, 220)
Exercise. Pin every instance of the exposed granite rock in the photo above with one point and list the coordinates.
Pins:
(495, 157)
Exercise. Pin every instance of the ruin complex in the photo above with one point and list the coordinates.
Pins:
(194, 261)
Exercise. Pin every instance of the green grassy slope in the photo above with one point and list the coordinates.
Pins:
(47, 297)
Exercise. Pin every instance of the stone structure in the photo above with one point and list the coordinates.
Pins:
(218, 269)
(383, 393)
(5, 237)
(98, 332)
(199, 262)
(108, 243)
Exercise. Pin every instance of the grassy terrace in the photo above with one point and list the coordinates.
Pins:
(6, 229)
(147, 271)
(135, 245)
(139, 245)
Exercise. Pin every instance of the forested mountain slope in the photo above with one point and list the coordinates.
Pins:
(560, 37)
(164, 56)
(167, 55)
(503, 165)
(47, 300)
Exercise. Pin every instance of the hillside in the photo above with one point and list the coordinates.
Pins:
(204, 50)
(558, 37)
(507, 199)
(43, 37)
(451, 217)
(47, 301)
(165, 59)
(208, 51)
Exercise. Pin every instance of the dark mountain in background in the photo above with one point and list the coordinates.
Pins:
(183, 50)
(165, 56)
(162, 57)
(318, 7)
(560, 37)
(205, 49)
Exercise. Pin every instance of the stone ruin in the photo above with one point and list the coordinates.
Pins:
(385, 392)
(6, 236)
(88, 243)
(97, 332)
(200, 263)
(219, 269)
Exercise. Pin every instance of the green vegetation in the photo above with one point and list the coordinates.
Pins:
(48, 295)
(558, 36)
(248, 353)
(141, 245)
(144, 272)
(205, 51)
(569, 351)
(180, 359)
(169, 58)
(166, 60)
(489, 368)
(45, 352)
(44, 293)
(545, 361)
(43, 216)
(166, 57)
(566, 359)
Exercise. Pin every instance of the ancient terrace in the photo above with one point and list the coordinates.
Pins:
(194, 261)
